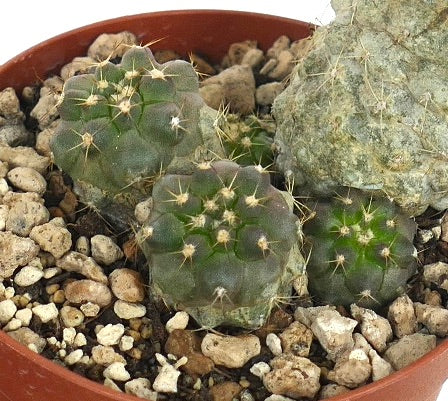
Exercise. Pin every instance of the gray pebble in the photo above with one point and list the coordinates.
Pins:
(104, 250)
(408, 349)
(23, 216)
(82, 264)
(238, 89)
(52, 238)
(4, 168)
(15, 251)
(22, 156)
(265, 94)
(29, 338)
(79, 65)
(111, 45)
(3, 216)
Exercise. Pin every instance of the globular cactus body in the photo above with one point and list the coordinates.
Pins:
(124, 123)
(366, 107)
(222, 244)
(361, 250)
(248, 141)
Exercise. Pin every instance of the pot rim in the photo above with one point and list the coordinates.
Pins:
(98, 388)
(72, 377)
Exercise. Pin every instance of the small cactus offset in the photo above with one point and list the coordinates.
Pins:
(248, 141)
(124, 123)
(362, 250)
(222, 244)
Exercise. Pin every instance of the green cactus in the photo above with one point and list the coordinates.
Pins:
(361, 250)
(248, 141)
(222, 243)
(124, 123)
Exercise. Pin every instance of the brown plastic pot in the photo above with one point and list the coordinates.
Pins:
(26, 376)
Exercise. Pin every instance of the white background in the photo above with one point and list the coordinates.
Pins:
(26, 23)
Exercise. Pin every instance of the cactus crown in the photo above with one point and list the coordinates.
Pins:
(362, 250)
(221, 243)
(248, 141)
(123, 123)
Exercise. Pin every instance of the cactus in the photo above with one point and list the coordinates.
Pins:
(366, 107)
(222, 243)
(124, 123)
(361, 250)
(248, 141)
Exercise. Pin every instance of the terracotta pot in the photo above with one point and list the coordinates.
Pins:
(27, 376)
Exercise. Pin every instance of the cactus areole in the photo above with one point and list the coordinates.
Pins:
(362, 250)
(222, 244)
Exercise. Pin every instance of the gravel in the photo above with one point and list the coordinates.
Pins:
(71, 290)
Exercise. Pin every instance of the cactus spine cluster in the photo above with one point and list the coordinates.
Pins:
(362, 250)
(248, 141)
(124, 123)
(222, 244)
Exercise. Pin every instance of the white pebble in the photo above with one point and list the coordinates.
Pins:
(80, 340)
(116, 371)
(141, 388)
(126, 343)
(52, 238)
(85, 360)
(74, 357)
(105, 355)
(3, 187)
(28, 275)
(277, 397)
(51, 272)
(166, 380)
(13, 324)
(260, 369)
(179, 321)
(27, 180)
(9, 292)
(128, 310)
(230, 351)
(380, 367)
(7, 310)
(3, 216)
(68, 335)
(71, 316)
(83, 245)
(110, 334)
(52, 340)
(33, 347)
(143, 210)
(62, 353)
(58, 221)
(274, 344)
(90, 309)
(24, 315)
(46, 312)
(111, 384)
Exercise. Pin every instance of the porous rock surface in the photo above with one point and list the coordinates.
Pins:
(366, 106)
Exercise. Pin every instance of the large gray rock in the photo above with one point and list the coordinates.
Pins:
(367, 106)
